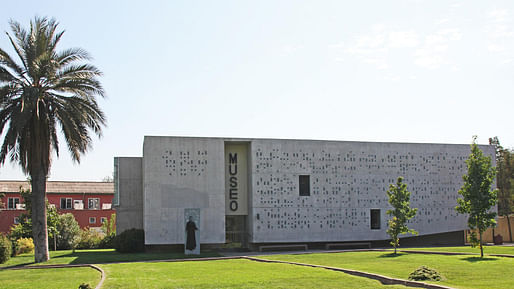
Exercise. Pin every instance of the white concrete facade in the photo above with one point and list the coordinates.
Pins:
(347, 181)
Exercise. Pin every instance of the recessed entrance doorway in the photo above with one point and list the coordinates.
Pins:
(236, 232)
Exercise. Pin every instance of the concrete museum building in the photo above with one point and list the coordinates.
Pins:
(256, 192)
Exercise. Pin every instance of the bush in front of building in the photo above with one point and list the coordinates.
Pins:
(90, 239)
(130, 241)
(24, 245)
(68, 230)
(107, 242)
(5, 248)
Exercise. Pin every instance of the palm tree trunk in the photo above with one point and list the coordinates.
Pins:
(39, 228)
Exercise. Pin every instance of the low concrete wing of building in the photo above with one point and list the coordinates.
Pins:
(256, 192)
(89, 202)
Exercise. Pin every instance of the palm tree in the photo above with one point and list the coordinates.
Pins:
(46, 91)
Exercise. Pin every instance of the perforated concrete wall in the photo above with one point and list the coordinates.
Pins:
(348, 179)
(182, 173)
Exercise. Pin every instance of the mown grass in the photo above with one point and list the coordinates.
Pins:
(235, 273)
(49, 278)
(459, 271)
(507, 250)
(96, 257)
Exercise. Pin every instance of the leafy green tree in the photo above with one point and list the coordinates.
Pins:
(68, 232)
(399, 198)
(477, 196)
(504, 181)
(45, 90)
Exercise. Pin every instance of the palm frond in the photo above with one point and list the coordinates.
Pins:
(50, 89)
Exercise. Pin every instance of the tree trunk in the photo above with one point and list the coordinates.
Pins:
(510, 230)
(481, 248)
(39, 227)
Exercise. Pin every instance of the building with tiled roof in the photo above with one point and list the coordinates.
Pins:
(89, 202)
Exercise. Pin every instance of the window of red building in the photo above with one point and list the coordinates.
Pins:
(93, 203)
(66, 203)
(12, 202)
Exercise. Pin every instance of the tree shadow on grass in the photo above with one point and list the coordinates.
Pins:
(98, 257)
(17, 265)
(478, 259)
(392, 255)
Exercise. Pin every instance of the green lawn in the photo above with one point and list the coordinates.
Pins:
(460, 271)
(96, 257)
(49, 278)
(229, 274)
(467, 249)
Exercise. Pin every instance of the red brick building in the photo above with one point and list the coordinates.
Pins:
(89, 202)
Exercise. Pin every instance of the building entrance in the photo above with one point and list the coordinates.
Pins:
(236, 231)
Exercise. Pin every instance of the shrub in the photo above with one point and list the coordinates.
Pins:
(5, 248)
(68, 232)
(425, 273)
(107, 242)
(85, 286)
(130, 241)
(89, 239)
(24, 245)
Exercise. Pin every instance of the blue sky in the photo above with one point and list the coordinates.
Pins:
(394, 71)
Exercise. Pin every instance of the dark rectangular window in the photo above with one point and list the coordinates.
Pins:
(93, 204)
(92, 220)
(12, 202)
(305, 185)
(66, 203)
(375, 219)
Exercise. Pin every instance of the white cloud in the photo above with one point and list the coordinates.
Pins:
(433, 53)
(499, 15)
(391, 77)
(380, 44)
(373, 47)
(499, 30)
(288, 49)
(428, 58)
(441, 21)
(403, 39)
(495, 47)
(336, 45)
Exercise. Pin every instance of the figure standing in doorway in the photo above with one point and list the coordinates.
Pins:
(191, 238)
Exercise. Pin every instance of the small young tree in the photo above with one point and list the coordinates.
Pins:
(477, 196)
(399, 198)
